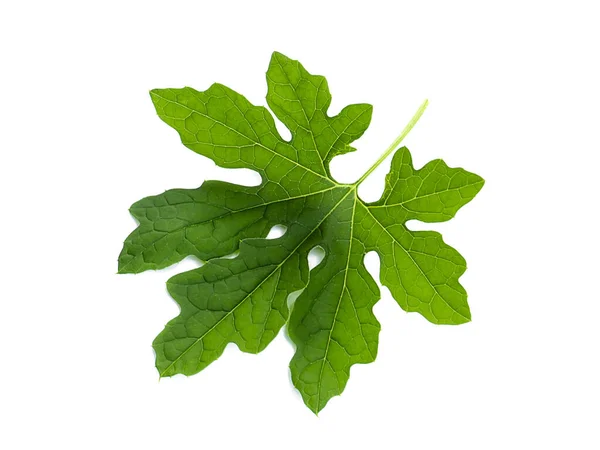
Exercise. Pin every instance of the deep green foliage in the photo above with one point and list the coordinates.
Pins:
(244, 299)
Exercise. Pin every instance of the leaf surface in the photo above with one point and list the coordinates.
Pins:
(243, 300)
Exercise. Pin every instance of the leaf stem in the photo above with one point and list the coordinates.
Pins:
(396, 142)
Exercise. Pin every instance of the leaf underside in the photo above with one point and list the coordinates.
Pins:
(244, 299)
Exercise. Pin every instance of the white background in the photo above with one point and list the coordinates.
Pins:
(514, 96)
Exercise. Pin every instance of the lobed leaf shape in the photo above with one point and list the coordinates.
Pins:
(243, 300)
(420, 270)
(300, 100)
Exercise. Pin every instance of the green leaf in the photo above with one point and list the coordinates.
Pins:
(243, 300)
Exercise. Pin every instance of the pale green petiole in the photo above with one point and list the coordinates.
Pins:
(396, 142)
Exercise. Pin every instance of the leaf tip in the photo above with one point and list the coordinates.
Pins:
(315, 409)
(477, 184)
(122, 267)
(464, 317)
(125, 265)
(278, 55)
(154, 93)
